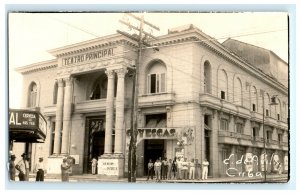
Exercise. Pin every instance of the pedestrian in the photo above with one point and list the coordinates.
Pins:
(164, 167)
(174, 168)
(185, 169)
(157, 168)
(40, 170)
(192, 170)
(169, 165)
(205, 165)
(150, 169)
(23, 168)
(94, 165)
(65, 170)
(179, 168)
(12, 169)
(197, 169)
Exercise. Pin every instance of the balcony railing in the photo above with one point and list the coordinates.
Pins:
(157, 99)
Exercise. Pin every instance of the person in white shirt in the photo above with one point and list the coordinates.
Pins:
(185, 169)
(23, 168)
(94, 165)
(205, 165)
(192, 170)
(157, 168)
(40, 170)
(179, 168)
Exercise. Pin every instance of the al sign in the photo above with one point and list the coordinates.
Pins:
(23, 119)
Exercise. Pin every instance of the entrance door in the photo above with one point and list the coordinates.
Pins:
(153, 150)
(94, 141)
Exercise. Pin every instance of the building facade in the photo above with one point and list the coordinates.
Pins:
(197, 99)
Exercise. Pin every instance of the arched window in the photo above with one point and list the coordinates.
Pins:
(156, 78)
(99, 89)
(238, 93)
(55, 93)
(32, 95)
(254, 100)
(207, 77)
(223, 85)
(278, 110)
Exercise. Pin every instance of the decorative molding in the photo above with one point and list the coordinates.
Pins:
(110, 73)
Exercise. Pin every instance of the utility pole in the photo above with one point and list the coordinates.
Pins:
(133, 129)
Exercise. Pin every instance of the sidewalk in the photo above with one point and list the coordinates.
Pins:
(94, 178)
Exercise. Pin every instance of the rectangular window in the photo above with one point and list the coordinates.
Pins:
(163, 82)
(253, 107)
(52, 138)
(224, 125)
(267, 112)
(269, 136)
(156, 83)
(278, 117)
(279, 138)
(223, 95)
(153, 83)
(239, 127)
(254, 132)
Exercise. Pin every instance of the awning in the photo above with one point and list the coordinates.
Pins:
(156, 123)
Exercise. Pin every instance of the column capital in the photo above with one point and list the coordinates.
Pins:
(68, 81)
(121, 72)
(60, 82)
(110, 73)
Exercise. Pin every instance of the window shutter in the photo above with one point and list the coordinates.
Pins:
(163, 82)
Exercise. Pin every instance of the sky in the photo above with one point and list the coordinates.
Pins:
(31, 35)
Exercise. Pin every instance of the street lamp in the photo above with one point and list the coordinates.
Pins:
(273, 102)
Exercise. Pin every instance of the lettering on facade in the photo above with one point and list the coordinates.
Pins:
(20, 119)
(234, 167)
(108, 166)
(88, 56)
(155, 133)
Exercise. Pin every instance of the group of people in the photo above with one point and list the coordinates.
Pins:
(177, 169)
(22, 167)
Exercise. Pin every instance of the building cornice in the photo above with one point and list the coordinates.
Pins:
(45, 65)
(105, 41)
(197, 36)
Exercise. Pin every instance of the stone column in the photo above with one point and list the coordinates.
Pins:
(67, 116)
(109, 112)
(59, 115)
(119, 130)
(214, 154)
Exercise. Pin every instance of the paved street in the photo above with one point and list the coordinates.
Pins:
(93, 178)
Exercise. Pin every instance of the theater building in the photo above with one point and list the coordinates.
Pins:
(197, 99)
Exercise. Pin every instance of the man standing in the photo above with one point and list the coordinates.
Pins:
(65, 170)
(23, 168)
(40, 170)
(192, 170)
(94, 165)
(185, 169)
(157, 168)
(205, 165)
(150, 169)
(12, 169)
(197, 170)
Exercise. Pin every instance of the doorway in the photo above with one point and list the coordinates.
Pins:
(154, 148)
(94, 141)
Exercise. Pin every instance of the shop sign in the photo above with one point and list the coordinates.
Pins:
(23, 119)
(108, 167)
(89, 56)
(156, 133)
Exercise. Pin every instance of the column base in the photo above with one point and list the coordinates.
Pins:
(111, 167)
(54, 163)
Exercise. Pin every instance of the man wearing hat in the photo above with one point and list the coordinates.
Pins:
(40, 169)
(23, 168)
(12, 169)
